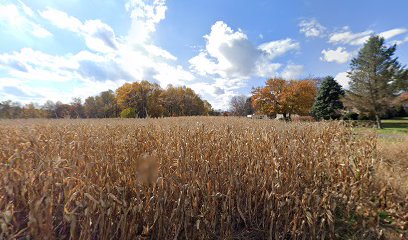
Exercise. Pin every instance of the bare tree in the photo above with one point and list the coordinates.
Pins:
(238, 105)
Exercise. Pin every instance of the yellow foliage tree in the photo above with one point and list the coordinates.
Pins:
(142, 96)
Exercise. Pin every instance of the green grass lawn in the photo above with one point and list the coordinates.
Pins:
(394, 126)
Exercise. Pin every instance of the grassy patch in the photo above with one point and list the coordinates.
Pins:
(394, 126)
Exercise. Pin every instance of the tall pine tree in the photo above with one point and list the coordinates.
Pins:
(374, 78)
(328, 102)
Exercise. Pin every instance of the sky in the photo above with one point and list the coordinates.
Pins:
(57, 50)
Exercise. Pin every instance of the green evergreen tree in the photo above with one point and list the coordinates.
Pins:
(375, 78)
(328, 102)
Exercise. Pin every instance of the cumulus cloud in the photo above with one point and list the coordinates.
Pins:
(230, 54)
(31, 64)
(217, 92)
(229, 60)
(145, 16)
(311, 28)
(343, 79)
(20, 18)
(339, 55)
(98, 36)
(292, 71)
(278, 48)
(107, 62)
(227, 53)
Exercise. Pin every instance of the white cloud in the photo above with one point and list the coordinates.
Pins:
(266, 69)
(61, 20)
(292, 71)
(27, 10)
(393, 33)
(217, 92)
(343, 79)
(20, 18)
(98, 36)
(278, 48)
(145, 16)
(232, 60)
(13, 89)
(31, 64)
(347, 37)
(159, 52)
(311, 28)
(230, 54)
(339, 55)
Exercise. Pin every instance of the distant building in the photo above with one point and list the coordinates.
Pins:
(256, 116)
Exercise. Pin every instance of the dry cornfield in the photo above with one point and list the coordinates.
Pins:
(190, 178)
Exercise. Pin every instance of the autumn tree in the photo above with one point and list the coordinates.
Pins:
(208, 109)
(62, 110)
(192, 104)
(303, 95)
(91, 107)
(183, 101)
(9, 109)
(49, 108)
(328, 102)
(76, 108)
(271, 99)
(375, 78)
(142, 96)
(171, 100)
(30, 111)
(284, 97)
(107, 105)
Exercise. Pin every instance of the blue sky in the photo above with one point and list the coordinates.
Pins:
(58, 50)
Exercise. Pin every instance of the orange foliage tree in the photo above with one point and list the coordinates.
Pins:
(280, 96)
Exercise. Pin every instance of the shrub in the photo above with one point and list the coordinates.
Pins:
(364, 117)
(350, 116)
(128, 113)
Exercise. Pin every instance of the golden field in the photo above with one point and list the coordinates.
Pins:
(194, 178)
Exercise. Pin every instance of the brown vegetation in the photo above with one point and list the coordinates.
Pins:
(190, 178)
(394, 165)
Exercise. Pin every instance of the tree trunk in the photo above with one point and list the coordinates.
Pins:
(378, 121)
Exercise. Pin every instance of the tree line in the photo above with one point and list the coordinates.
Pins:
(139, 99)
(378, 89)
